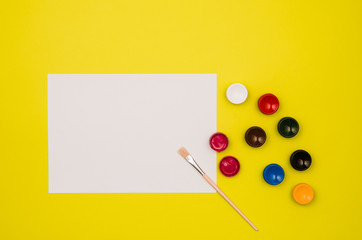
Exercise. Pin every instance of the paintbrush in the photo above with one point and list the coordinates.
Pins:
(186, 155)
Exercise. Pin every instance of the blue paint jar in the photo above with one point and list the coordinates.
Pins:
(273, 174)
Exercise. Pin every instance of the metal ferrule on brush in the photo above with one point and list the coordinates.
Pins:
(191, 160)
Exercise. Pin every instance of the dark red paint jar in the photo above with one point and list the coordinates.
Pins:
(229, 166)
(219, 142)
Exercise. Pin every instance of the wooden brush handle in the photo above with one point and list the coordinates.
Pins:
(227, 199)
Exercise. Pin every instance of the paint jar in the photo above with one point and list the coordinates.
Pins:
(273, 174)
(288, 127)
(218, 141)
(229, 166)
(237, 93)
(255, 137)
(303, 193)
(300, 160)
(268, 104)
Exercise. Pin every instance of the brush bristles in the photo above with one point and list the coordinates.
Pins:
(183, 152)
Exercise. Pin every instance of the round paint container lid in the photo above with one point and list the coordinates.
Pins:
(237, 93)
(268, 103)
(303, 193)
(300, 160)
(218, 141)
(255, 136)
(288, 127)
(229, 166)
(273, 174)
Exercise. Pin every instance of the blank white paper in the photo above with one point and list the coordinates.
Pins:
(119, 133)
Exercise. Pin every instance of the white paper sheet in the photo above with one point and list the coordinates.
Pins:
(119, 133)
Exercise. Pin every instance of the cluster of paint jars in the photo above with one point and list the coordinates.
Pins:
(255, 136)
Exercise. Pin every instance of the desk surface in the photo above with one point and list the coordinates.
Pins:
(307, 53)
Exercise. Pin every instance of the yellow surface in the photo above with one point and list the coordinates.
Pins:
(308, 53)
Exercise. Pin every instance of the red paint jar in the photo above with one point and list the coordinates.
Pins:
(219, 142)
(229, 166)
(268, 103)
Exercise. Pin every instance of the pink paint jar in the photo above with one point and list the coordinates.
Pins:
(229, 166)
(219, 142)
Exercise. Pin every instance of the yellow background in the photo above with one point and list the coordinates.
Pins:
(308, 53)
